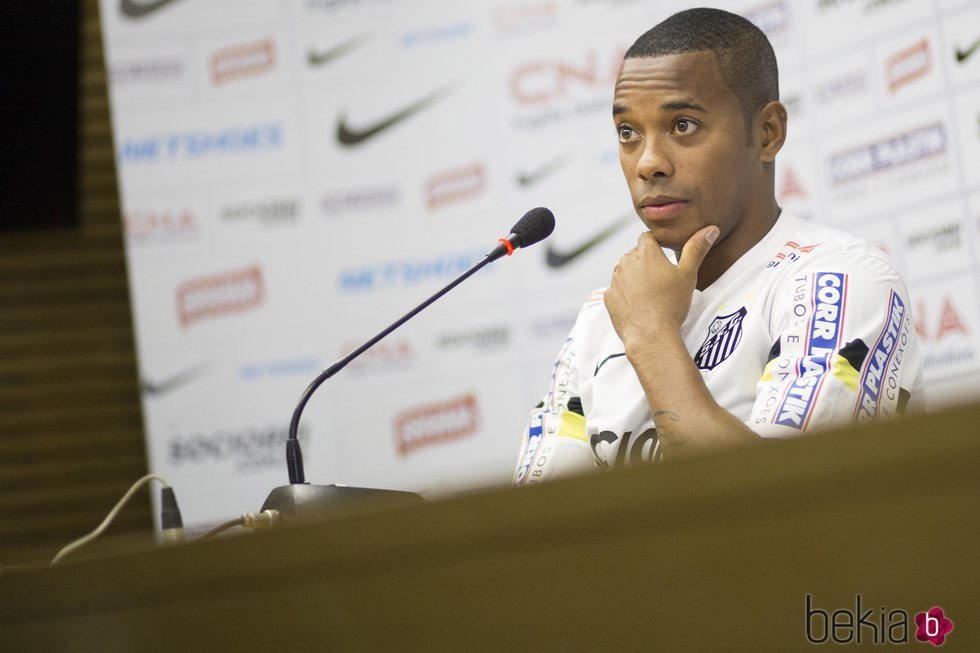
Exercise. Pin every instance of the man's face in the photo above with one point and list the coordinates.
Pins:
(683, 146)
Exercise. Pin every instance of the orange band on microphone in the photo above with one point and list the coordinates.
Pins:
(507, 244)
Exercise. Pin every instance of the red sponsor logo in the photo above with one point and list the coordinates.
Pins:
(382, 354)
(455, 185)
(949, 322)
(146, 225)
(908, 65)
(220, 294)
(243, 60)
(436, 423)
(539, 82)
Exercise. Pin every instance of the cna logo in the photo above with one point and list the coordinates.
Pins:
(945, 336)
(200, 144)
(790, 187)
(908, 65)
(455, 185)
(884, 626)
(517, 17)
(247, 448)
(382, 357)
(436, 423)
(145, 71)
(892, 152)
(407, 272)
(773, 18)
(267, 213)
(220, 294)
(365, 198)
(245, 60)
(166, 225)
(545, 81)
(935, 327)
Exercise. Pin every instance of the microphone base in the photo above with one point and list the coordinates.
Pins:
(305, 501)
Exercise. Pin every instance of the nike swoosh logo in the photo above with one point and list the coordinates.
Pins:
(352, 137)
(963, 55)
(534, 177)
(173, 382)
(134, 9)
(321, 58)
(557, 259)
(606, 360)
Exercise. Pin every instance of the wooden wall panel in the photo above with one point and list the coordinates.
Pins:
(71, 437)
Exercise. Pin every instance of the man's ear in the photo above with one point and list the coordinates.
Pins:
(771, 123)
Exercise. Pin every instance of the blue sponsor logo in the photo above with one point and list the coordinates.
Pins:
(200, 144)
(893, 152)
(280, 368)
(407, 272)
(436, 34)
(871, 381)
(823, 337)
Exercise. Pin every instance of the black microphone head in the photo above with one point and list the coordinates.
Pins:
(536, 225)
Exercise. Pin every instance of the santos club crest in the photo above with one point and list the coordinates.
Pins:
(724, 334)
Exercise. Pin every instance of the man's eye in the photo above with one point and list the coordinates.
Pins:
(684, 126)
(625, 133)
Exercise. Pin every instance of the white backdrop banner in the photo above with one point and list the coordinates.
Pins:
(296, 174)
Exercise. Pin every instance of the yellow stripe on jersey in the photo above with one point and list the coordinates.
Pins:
(767, 372)
(572, 426)
(845, 372)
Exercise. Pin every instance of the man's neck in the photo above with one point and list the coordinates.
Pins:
(724, 254)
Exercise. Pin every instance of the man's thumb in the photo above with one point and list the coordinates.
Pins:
(698, 246)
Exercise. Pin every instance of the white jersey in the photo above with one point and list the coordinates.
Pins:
(808, 329)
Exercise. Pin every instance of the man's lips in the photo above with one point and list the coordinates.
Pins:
(662, 208)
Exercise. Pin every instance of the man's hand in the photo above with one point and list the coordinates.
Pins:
(648, 294)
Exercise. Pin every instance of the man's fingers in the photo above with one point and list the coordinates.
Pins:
(697, 247)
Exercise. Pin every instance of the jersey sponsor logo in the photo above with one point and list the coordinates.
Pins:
(869, 398)
(828, 301)
(644, 448)
(535, 435)
(791, 251)
(724, 334)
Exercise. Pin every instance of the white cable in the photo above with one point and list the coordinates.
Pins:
(82, 541)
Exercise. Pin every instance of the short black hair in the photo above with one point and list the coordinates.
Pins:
(745, 58)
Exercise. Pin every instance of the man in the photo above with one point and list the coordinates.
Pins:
(766, 326)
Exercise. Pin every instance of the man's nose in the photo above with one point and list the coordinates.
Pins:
(654, 161)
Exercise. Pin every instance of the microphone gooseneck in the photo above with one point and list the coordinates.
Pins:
(536, 225)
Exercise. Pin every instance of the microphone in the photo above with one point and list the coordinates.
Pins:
(535, 225)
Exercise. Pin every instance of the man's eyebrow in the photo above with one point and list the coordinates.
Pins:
(682, 104)
(618, 109)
